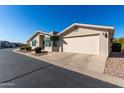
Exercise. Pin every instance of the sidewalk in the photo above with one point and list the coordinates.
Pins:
(94, 74)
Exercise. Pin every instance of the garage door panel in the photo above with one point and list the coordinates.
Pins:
(85, 45)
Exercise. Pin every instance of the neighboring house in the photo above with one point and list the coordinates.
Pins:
(77, 38)
(2, 45)
(42, 39)
(6, 44)
(14, 45)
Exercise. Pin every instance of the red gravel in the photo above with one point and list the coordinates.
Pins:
(115, 65)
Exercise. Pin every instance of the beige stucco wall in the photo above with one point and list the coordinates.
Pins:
(39, 43)
(80, 32)
(110, 42)
(104, 43)
(104, 47)
(48, 49)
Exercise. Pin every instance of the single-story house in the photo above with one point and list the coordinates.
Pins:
(2, 44)
(77, 38)
(43, 39)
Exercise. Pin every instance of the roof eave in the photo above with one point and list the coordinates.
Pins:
(38, 32)
(85, 25)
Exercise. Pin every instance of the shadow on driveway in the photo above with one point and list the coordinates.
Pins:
(19, 71)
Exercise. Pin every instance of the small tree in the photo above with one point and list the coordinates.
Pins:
(116, 47)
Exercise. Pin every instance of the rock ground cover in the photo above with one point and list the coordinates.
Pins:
(115, 65)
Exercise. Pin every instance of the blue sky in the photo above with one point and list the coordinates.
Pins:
(18, 23)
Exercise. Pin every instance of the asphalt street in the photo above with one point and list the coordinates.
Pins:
(19, 71)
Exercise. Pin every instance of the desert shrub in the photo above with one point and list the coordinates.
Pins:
(116, 47)
(28, 48)
(38, 49)
(22, 48)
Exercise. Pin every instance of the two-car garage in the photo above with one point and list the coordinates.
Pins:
(82, 44)
(87, 39)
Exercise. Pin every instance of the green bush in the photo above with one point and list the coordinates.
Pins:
(116, 47)
(38, 49)
(28, 48)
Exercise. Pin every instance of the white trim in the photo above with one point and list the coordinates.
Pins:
(41, 33)
(87, 25)
(82, 35)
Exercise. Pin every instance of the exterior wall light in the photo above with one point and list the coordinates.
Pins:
(105, 35)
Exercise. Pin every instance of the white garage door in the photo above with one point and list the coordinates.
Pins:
(84, 45)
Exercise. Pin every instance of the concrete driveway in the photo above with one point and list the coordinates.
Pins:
(21, 71)
(81, 61)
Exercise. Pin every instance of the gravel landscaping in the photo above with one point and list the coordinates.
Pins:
(24, 51)
(33, 52)
(40, 54)
(115, 65)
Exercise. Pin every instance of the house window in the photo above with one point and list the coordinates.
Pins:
(47, 43)
(34, 43)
